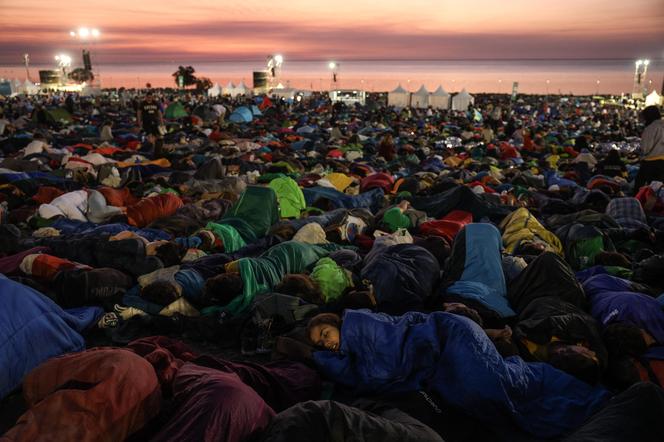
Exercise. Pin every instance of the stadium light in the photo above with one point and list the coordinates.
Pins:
(95, 33)
(83, 32)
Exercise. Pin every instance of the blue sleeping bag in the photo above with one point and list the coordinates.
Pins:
(452, 356)
(371, 199)
(74, 227)
(483, 279)
(613, 300)
(403, 277)
(33, 329)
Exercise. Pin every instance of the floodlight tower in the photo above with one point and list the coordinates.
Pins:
(274, 63)
(640, 72)
(334, 67)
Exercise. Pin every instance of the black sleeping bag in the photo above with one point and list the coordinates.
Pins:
(548, 275)
(637, 414)
(331, 421)
(550, 316)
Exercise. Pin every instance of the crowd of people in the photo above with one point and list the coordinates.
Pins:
(178, 267)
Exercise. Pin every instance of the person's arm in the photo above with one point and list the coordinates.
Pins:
(161, 117)
(648, 141)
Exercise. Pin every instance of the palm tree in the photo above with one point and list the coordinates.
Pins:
(187, 74)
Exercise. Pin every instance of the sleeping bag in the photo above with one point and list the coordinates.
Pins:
(261, 274)
(477, 257)
(254, 213)
(403, 276)
(452, 356)
(33, 329)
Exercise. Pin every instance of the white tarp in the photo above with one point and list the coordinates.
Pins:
(462, 100)
(439, 99)
(420, 99)
(399, 97)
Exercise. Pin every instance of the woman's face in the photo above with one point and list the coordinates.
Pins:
(325, 335)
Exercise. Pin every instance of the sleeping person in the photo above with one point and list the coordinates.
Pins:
(449, 354)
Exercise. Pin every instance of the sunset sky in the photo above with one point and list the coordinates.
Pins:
(214, 30)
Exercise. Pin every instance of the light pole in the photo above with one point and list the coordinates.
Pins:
(26, 60)
(334, 67)
(547, 87)
(597, 90)
(500, 86)
(64, 61)
(274, 63)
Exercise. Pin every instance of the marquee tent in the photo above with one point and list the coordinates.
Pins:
(439, 99)
(214, 91)
(420, 99)
(462, 100)
(398, 97)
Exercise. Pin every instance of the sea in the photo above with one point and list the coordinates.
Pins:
(578, 77)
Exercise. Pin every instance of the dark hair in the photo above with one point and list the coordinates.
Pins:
(529, 248)
(302, 286)
(576, 364)
(623, 339)
(612, 259)
(651, 114)
(323, 318)
(160, 292)
(169, 254)
(222, 289)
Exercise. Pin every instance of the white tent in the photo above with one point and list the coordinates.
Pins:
(17, 86)
(398, 97)
(439, 99)
(214, 91)
(241, 89)
(653, 99)
(228, 89)
(420, 99)
(462, 100)
(29, 88)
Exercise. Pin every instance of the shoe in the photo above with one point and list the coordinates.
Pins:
(127, 313)
(108, 320)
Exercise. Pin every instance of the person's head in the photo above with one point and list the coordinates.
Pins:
(222, 289)
(324, 330)
(160, 292)
(169, 254)
(460, 309)
(604, 258)
(530, 248)
(576, 360)
(623, 339)
(285, 231)
(650, 114)
(149, 97)
(302, 286)
(207, 239)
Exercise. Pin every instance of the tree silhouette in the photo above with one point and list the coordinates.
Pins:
(203, 84)
(187, 74)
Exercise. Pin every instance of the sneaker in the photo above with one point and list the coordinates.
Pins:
(108, 320)
(127, 313)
